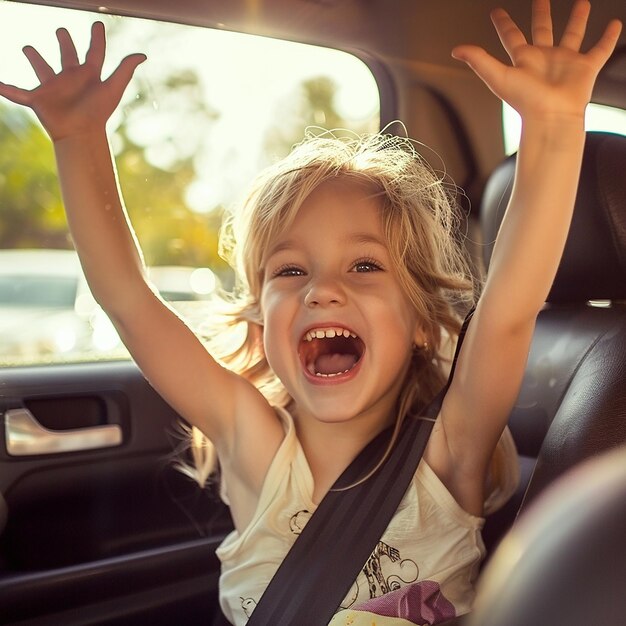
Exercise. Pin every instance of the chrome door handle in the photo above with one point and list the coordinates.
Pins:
(25, 436)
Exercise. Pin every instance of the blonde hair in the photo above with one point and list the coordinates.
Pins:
(420, 221)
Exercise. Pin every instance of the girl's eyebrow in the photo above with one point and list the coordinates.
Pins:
(358, 237)
(366, 238)
(286, 244)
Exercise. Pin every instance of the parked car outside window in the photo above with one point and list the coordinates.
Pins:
(48, 314)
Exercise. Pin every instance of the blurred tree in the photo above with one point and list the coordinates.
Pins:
(154, 150)
(31, 212)
(170, 233)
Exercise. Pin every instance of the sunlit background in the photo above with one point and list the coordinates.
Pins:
(203, 114)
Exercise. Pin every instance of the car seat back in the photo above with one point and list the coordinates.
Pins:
(572, 403)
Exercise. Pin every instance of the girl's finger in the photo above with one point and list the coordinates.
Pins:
(508, 32)
(43, 71)
(542, 23)
(601, 52)
(97, 47)
(486, 67)
(576, 26)
(124, 72)
(15, 94)
(69, 56)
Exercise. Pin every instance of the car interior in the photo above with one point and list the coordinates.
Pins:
(99, 526)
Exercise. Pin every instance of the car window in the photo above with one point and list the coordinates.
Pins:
(597, 117)
(206, 111)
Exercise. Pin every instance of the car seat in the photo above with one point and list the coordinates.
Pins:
(572, 403)
(564, 562)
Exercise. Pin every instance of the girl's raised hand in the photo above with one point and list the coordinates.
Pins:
(544, 79)
(76, 100)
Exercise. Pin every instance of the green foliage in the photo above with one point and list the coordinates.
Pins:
(31, 211)
(169, 232)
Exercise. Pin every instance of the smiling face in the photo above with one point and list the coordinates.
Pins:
(338, 329)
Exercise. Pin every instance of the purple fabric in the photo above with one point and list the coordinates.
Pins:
(421, 603)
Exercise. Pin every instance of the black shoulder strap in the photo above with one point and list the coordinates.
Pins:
(340, 536)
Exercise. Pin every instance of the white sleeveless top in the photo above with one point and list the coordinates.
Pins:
(422, 570)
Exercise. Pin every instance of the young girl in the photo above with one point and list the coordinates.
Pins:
(349, 277)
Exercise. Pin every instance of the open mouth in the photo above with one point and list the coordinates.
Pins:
(330, 352)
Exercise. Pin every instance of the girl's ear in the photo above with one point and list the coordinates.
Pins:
(420, 341)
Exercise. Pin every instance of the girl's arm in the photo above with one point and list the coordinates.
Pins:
(550, 86)
(74, 106)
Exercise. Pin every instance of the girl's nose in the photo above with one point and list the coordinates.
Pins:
(324, 292)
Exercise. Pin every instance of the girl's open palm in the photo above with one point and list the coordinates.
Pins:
(76, 99)
(544, 79)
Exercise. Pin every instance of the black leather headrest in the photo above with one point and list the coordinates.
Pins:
(593, 266)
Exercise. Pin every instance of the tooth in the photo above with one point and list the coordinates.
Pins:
(328, 333)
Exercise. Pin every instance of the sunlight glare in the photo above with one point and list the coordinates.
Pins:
(598, 117)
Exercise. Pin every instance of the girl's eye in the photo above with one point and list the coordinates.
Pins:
(288, 270)
(366, 265)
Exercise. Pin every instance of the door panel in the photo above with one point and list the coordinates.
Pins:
(106, 534)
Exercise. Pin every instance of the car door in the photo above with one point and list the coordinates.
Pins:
(97, 520)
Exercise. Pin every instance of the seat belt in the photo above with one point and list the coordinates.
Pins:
(342, 533)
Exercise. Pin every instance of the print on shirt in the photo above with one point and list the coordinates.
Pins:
(248, 604)
(385, 570)
(298, 521)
